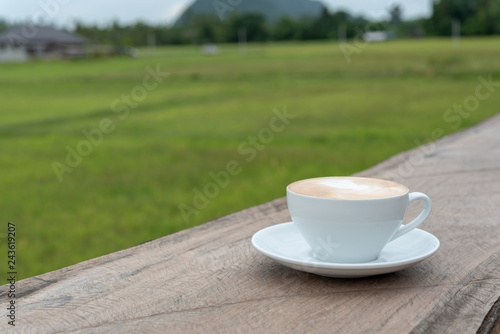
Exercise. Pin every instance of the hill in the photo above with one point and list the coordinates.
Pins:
(272, 10)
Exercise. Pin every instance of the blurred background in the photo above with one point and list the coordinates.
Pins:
(123, 122)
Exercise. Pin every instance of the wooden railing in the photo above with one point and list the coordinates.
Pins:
(210, 278)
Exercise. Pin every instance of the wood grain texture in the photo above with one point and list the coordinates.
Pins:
(491, 323)
(210, 279)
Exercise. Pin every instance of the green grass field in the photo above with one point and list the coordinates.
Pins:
(205, 114)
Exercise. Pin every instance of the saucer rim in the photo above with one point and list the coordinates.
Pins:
(336, 265)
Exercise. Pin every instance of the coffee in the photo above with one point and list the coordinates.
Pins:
(347, 188)
(351, 219)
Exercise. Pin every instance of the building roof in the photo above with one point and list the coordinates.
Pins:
(38, 34)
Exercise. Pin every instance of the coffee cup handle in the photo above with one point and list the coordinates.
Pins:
(420, 218)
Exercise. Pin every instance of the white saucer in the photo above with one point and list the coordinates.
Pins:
(284, 244)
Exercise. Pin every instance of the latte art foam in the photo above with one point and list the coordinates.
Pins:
(347, 188)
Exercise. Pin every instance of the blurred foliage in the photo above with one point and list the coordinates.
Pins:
(209, 29)
(396, 12)
(3, 25)
(476, 17)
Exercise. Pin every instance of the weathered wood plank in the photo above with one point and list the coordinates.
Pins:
(491, 323)
(209, 278)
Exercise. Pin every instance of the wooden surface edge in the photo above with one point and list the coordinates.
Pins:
(397, 159)
(33, 284)
(491, 323)
(473, 300)
(276, 203)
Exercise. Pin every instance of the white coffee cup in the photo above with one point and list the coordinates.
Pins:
(351, 219)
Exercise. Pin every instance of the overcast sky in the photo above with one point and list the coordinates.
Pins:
(64, 12)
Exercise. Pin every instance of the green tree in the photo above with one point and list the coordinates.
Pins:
(396, 12)
(326, 26)
(477, 17)
(208, 29)
(254, 25)
(3, 25)
(486, 19)
(286, 29)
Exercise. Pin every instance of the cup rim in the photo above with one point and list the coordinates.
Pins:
(348, 199)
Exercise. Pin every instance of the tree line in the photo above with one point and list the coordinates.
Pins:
(251, 27)
(475, 17)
